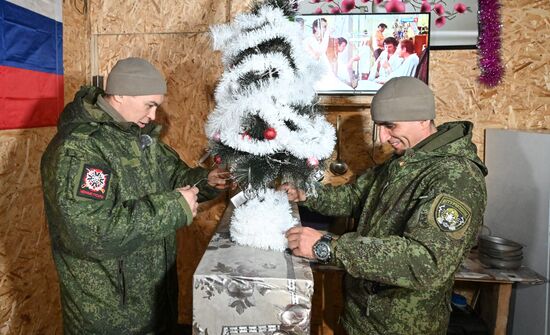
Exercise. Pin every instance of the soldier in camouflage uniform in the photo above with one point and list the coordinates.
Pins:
(114, 196)
(418, 216)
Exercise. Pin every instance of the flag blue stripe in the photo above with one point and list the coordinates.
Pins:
(29, 40)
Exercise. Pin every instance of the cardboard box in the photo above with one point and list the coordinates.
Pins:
(244, 290)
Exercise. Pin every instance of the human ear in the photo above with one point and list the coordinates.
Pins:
(425, 124)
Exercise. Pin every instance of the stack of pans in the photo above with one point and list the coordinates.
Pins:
(500, 253)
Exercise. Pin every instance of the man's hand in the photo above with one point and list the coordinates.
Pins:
(190, 195)
(301, 241)
(294, 194)
(220, 179)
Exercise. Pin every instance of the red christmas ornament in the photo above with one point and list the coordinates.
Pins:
(218, 159)
(270, 133)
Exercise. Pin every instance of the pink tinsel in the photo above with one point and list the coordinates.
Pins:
(489, 43)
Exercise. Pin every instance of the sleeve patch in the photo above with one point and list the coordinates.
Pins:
(94, 182)
(450, 215)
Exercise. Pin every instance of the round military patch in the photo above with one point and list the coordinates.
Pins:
(450, 214)
(95, 180)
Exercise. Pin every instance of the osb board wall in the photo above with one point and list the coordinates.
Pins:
(76, 46)
(174, 35)
(28, 291)
(155, 16)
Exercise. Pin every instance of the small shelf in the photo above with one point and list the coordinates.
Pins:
(358, 101)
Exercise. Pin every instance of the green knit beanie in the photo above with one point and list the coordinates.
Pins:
(135, 76)
(403, 99)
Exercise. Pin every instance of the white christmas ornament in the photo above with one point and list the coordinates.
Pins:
(251, 227)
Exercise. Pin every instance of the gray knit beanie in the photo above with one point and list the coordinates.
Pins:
(135, 76)
(403, 99)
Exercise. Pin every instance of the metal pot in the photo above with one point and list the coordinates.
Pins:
(498, 243)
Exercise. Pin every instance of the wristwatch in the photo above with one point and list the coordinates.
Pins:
(322, 249)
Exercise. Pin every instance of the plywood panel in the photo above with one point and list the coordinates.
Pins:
(355, 143)
(457, 90)
(155, 16)
(185, 16)
(327, 302)
(239, 7)
(76, 46)
(119, 17)
(29, 295)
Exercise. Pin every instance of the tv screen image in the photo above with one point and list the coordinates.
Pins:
(360, 52)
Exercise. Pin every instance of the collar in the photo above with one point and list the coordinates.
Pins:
(151, 128)
(107, 108)
(446, 133)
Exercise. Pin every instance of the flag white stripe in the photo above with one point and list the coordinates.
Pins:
(50, 8)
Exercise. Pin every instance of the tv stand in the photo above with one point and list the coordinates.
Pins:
(357, 101)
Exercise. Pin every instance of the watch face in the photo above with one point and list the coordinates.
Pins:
(322, 250)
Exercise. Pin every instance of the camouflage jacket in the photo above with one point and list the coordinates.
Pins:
(112, 212)
(418, 216)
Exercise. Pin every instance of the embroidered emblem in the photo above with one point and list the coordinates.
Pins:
(450, 214)
(94, 182)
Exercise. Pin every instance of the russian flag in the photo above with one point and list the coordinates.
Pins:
(31, 63)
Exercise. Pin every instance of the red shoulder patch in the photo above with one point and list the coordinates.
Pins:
(94, 182)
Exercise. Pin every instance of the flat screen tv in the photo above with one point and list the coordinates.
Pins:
(358, 56)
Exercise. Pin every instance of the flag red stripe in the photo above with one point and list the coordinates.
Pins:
(29, 98)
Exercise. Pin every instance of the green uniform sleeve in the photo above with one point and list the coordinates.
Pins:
(92, 219)
(181, 174)
(439, 232)
(341, 200)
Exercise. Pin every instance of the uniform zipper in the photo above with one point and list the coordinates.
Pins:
(167, 280)
(122, 282)
(146, 159)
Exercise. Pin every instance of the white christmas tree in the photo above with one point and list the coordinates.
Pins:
(267, 126)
